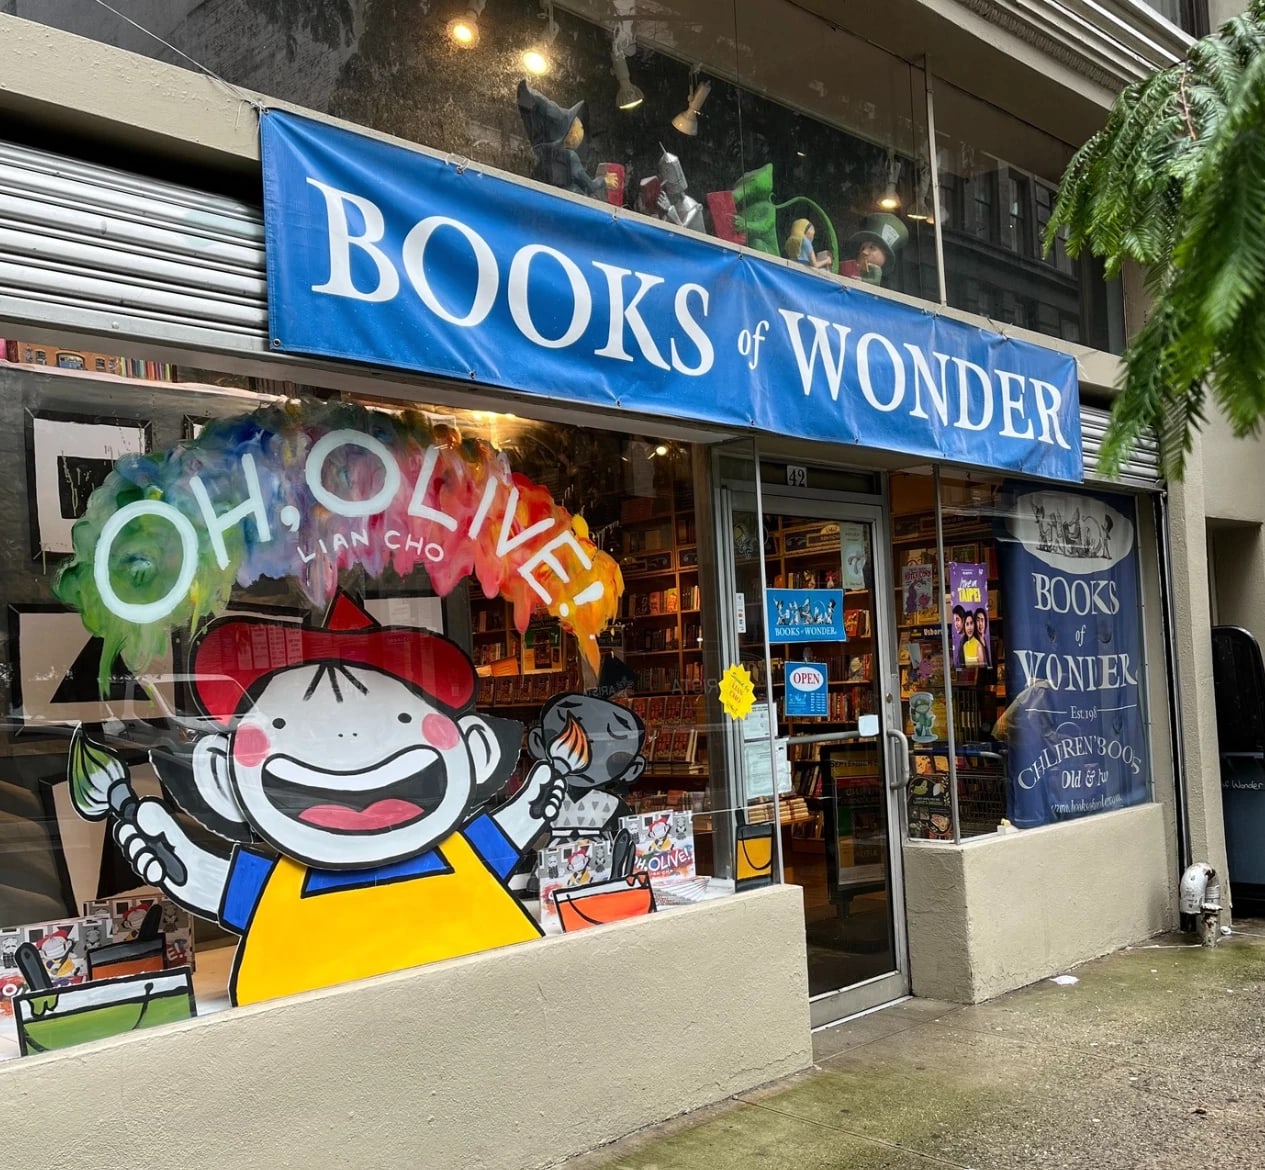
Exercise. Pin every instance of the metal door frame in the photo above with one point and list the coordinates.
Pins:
(840, 507)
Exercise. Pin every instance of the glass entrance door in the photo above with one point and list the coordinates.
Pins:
(812, 577)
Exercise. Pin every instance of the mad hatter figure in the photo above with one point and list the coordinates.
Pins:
(555, 135)
(872, 249)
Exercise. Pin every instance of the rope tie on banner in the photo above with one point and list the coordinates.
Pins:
(245, 98)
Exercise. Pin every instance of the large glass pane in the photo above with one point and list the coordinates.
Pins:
(998, 180)
(460, 666)
(1048, 660)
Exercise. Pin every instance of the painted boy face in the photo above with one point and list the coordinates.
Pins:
(54, 948)
(344, 766)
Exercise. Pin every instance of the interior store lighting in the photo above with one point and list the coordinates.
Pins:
(628, 96)
(687, 120)
(538, 59)
(463, 30)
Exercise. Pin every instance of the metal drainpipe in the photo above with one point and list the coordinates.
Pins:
(1173, 675)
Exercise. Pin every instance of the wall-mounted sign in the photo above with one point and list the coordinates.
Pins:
(377, 253)
(804, 615)
(807, 689)
(1075, 727)
(306, 491)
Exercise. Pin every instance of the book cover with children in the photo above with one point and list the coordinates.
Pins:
(664, 843)
(585, 861)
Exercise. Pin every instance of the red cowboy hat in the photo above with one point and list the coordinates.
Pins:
(234, 654)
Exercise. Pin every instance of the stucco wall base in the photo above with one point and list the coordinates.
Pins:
(501, 1061)
(999, 912)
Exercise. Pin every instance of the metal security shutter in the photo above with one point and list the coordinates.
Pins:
(1143, 466)
(91, 248)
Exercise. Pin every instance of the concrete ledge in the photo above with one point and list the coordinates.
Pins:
(501, 1061)
(999, 912)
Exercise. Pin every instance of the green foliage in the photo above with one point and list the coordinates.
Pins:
(1175, 182)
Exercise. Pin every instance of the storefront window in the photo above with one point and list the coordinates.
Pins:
(1046, 658)
(300, 663)
(998, 183)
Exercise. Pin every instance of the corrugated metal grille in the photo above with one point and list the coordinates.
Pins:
(104, 250)
(88, 247)
(1143, 466)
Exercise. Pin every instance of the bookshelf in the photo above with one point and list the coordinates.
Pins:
(979, 693)
(841, 780)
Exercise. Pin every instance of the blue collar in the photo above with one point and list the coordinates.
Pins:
(321, 881)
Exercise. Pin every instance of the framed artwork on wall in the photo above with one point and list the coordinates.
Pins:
(56, 664)
(67, 458)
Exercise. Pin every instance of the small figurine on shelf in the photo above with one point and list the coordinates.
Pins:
(555, 135)
(799, 246)
(870, 252)
(686, 211)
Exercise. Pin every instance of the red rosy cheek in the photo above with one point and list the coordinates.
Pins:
(440, 731)
(250, 747)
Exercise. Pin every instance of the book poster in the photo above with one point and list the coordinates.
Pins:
(582, 862)
(853, 539)
(1074, 728)
(917, 588)
(805, 615)
(664, 844)
(968, 609)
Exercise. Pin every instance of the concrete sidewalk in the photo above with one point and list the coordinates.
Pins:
(1152, 1059)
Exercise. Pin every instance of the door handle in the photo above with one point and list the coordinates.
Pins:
(902, 778)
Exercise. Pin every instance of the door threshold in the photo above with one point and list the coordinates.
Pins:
(867, 1012)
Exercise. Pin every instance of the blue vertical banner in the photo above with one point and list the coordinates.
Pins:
(1074, 727)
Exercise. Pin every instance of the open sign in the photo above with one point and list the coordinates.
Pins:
(807, 687)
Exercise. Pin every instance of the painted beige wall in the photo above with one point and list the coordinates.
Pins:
(467, 1064)
(1000, 912)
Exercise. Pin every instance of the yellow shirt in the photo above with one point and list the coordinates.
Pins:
(304, 928)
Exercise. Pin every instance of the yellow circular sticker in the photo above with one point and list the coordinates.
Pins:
(737, 692)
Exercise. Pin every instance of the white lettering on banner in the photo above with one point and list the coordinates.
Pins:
(694, 331)
(341, 242)
(1076, 595)
(863, 370)
(924, 379)
(413, 254)
(1012, 405)
(965, 369)
(1074, 747)
(821, 345)
(976, 391)
(629, 314)
(1049, 403)
(253, 505)
(520, 310)
(970, 398)
(1076, 672)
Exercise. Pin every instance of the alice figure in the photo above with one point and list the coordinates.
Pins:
(799, 246)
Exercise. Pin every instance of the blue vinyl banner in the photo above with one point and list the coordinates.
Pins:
(804, 615)
(381, 254)
(1074, 728)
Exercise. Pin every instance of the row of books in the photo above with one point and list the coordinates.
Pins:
(33, 353)
(662, 601)
(653, 538)
(489, 618)
(674, 799)
(807, 579)
(790, 809)
(856, 623)
(523, 690)
(490, 652)
(657, 710)
(671, 745)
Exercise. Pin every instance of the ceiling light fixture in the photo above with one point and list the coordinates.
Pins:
(687, 120)
(463, 30)
(627, 96)
(538, 60)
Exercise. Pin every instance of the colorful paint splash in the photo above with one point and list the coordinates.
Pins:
(306, 490)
